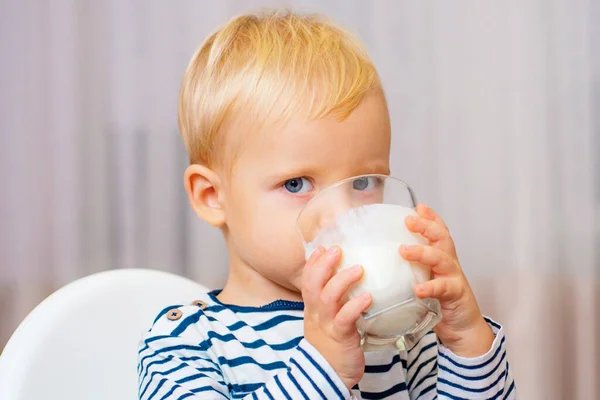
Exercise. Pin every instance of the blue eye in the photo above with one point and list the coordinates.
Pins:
(298, 185)
(365, 183)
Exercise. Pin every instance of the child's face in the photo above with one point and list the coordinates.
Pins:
(278, 170)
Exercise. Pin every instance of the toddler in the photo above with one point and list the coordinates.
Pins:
(273, 108)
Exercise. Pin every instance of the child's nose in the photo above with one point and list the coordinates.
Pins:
(335, 207)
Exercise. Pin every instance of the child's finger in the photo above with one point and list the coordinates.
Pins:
(428, 213)
(440, 262)
(344, 323)
(307, 273)
(337, 287)
(315, 256)
(317, 275)
(429, 229)
(443, 289)
(446, 244)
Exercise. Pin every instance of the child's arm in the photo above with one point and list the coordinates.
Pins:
(179, 375)
(472, 358)
(434, 370)
(173, 367)
(169, 368)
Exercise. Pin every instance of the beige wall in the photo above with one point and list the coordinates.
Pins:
(495, 112)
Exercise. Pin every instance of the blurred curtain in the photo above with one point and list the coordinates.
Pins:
(495, 108)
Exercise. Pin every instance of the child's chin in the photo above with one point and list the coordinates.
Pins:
(295, 286)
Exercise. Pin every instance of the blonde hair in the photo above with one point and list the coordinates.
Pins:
(270, 66)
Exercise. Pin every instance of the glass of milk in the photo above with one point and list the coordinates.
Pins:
(365, 216)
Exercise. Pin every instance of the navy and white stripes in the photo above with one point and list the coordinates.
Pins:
(233, 352)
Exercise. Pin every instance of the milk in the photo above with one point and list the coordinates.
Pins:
(371, 236)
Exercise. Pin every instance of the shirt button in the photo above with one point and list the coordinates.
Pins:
(200, 303)
(174, 314)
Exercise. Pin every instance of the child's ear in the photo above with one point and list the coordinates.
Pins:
(202, 186)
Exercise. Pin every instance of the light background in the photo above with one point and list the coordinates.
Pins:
(495, 110)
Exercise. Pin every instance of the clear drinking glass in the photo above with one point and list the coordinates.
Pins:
(365, 216)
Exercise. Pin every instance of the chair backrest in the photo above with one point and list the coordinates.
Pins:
(81, 342)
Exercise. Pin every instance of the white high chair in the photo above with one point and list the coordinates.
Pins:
(81, 342)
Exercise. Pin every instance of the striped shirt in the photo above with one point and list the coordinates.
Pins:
(210, 350)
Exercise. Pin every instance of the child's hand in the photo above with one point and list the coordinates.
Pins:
(462, 329)
(329, 326)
